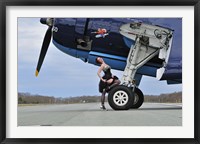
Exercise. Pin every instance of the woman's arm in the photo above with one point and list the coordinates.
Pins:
(99, 72)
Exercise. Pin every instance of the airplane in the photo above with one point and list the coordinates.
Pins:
(137, 46)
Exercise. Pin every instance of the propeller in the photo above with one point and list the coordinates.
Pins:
(46, 42)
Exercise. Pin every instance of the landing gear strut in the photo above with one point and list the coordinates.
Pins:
(150, 41)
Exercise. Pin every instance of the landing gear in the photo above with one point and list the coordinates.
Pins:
(150, 41)
(121, 98)
(138, 99)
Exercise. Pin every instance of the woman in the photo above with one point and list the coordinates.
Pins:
(107, 82)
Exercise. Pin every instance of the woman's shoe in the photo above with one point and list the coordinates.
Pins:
(102, 107)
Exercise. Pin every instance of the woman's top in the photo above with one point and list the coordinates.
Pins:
(107, 76)
(107, 72)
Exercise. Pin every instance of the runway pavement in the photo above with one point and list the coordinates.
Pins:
(89, 114)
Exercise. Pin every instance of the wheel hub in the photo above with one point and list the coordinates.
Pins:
(120, 98)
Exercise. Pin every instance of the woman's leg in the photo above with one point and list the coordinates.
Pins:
(110, 81)
(103, 99)
(115, 83)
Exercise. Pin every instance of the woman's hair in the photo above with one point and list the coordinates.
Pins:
(97, 61)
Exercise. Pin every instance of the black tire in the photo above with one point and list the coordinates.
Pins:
(139, 99)
(120, 98)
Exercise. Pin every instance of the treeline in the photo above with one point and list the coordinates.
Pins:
(27, 98)
(175, 97)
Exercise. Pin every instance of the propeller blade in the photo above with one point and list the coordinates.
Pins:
(45, 45)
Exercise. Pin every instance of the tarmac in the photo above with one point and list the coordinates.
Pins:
(90, 114)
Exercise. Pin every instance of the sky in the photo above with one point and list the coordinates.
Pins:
(62, 75)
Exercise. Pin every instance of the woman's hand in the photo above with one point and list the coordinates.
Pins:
(103, 80)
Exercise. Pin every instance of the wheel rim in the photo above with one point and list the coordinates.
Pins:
(136, 98)
(120, 98)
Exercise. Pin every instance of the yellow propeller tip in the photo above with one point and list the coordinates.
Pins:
(36, 73)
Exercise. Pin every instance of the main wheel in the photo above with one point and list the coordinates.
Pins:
(120, 98)
(139, 99)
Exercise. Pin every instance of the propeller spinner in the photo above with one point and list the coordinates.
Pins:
(46, 42)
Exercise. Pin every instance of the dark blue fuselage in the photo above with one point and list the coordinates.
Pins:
(114, 47)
